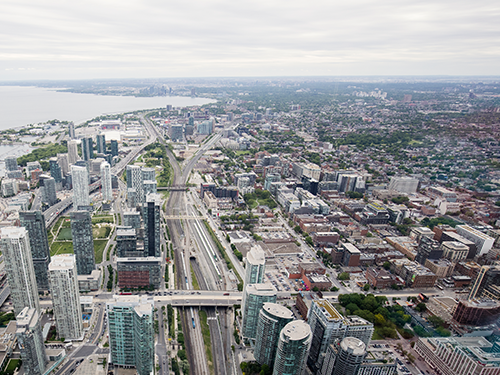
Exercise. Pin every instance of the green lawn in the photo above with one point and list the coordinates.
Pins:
(13, 363)
(103, 219)
(99, 246)
(102, 232)
(194, 279)
(66, 223)
(61, 248)
(64, 234)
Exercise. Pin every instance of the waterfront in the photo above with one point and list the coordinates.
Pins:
(23, 105)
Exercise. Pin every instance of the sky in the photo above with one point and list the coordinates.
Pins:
(55, 39)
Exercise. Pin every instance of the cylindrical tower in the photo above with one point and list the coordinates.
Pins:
(293, 348)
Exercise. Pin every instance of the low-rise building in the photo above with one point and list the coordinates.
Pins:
(441, 267)
(87, 283)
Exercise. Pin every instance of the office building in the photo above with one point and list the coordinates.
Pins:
(80, 179)
(476, 312)
(344, 357)
(15, 247)
(139, 272)
(114, 147)
(101, 143)
(255, 297)
(30, 341)
(11, 163)
(131, 334)
(55, 170)
(454, 251)
(48, 187)
(483, 242)
(83, 243)
(62, 160)
(73, 156)
(272, 319)
(460, 355)
(65, 297)
(293, 348)
(407, 185)
(87, 148)
(151, 218)
(126, 243)
(255, 265)
(487, 284)
(34, 222)
(428, 249)
(71, 130)
(328, 325)
(107, 190)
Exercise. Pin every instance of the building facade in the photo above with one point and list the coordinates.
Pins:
(255, 297)
(107, 189)
(293, 348)
(151, 218)
(83, 242)
(80, 180)
(30, 341)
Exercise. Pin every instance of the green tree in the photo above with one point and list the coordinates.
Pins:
(366, 288)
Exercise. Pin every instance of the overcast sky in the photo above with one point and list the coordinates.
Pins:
(186, 38)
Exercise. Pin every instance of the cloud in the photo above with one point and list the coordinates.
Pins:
(149, 38)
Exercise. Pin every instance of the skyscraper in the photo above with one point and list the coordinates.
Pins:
(15, 246)
(101, 144)
(107, 190)
(83, 243)
(151, 218)
(34, 222)
(272, 319)
(71, 130)
(327, 325)
(48, 186)
(62, 160)
(148, 187)
(80, 178)
(30, 341)
(55, 170)
(255, 265)
(148, 174)
(73, 152)
(293, 348)
(255, 297)
(486, 284)
(134, 181)
(126, 243)
(114, 147)
(65, 296)
(344, 357)
(131, 336)
(87, 148)
(11, 163)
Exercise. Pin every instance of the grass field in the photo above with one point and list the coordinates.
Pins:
(194, 279)
(64, 234)
(205, 331)
(103, 219)
(99, 246)
(12, 366)
(102, 232)
(66, 223)
(61, 248)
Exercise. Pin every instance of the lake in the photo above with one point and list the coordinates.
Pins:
(23, 105)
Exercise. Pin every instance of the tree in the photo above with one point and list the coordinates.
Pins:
(366, 288)
(343, 276)
(387, 265)
(421, 307)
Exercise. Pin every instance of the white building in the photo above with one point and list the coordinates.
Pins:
(406, 185)
(80, 178)
(9, 187)
(107, 190)
(73, 152)
(15, 246)
(66, 299)
(483, 242)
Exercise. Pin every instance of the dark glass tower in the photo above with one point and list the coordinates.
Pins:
(83, 243)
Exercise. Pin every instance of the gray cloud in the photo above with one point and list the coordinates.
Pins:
(94, 39)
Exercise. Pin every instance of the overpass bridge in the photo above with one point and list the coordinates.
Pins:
(173, 188)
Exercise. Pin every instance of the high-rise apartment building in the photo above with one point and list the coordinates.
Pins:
(107, 189)
(11, 163)
(131, 335)
(101, 144)
(114, 147)
(149, 187)
(327, 325)
(80, 179)
(83, 242)
(151, 218)
(15, 247)
(176, 133)
(126, 243)
(30, 341)
(87, 148)
(293, 347)
(34, 222)
(148, 174)
(255, 297)
(55, 170)
(132, 219)
(134, 181)
(71, 130)
(272, 319)
(344, 357)
(255, 265)
(65, 296)
(48, 186)
(73, 152)
(62, 160)
(487, 284)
